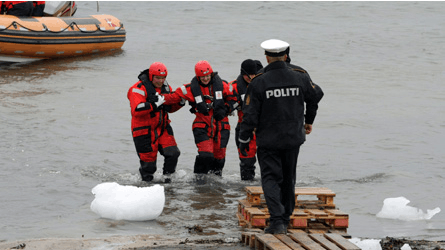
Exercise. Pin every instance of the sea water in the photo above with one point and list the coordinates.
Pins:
(379, 133)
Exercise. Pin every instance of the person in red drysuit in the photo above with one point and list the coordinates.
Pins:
(249, 69)
(212, 100)
(150, 123)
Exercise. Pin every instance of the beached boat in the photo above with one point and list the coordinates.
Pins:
(35, 38)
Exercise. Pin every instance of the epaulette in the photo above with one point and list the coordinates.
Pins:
(301, 70)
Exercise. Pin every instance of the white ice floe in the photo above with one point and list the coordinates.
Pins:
(397, 208)
(113, 201)
(373, 244)
(406, 247)
(367, 244)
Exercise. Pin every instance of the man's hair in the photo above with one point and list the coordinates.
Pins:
(276, 58)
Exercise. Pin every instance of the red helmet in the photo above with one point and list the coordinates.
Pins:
(157, 69)
(203, 68)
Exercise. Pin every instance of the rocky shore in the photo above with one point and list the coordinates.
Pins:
(389, 243)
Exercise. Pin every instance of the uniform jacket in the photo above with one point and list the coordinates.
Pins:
(147, 119)
(275, 105)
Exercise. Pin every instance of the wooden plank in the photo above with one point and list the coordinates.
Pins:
(256, 217)
(258, 190)
(254, 195)
(341, 242)
(269, 241)
(317, 213)
(340, 219)
(245, 237)
(299, 218)
(242, 222)
(305, 241)
(337, 213)
(324, 242)
(254, 190)
(242, 205)
(289, 242)
(317, 231)
(295, 231)
(248, 238)
(314, 191)
(340, 231)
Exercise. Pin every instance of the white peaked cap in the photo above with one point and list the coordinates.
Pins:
(274, 47)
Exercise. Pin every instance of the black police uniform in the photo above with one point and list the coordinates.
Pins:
(275, 107)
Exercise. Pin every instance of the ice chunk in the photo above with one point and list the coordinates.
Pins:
(113, 201)
(405, 247)
(397, 208)
(367, 244)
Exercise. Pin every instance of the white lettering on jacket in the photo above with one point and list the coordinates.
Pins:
(284, 92)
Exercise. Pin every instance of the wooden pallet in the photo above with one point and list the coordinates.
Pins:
(324, 197)
(258, 217)
(297, 239)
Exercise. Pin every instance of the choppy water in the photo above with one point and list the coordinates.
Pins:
(380, 130)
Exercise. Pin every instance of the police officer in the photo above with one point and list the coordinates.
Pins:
(150, 125)
(274, 107)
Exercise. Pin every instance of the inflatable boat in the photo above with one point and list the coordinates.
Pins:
(35, 38)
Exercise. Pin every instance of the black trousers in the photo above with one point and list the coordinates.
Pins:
(278, 176)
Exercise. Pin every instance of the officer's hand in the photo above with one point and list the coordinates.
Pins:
(243, 147)
(308, 128)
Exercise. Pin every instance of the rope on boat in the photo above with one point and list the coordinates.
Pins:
(71, 25)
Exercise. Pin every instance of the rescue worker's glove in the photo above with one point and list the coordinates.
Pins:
(159, 102)
(152, 98)
(228, 110)
(244, 146)
(182, 102)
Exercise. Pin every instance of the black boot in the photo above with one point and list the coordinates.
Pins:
(202, 164)
(217, 167)
(171, 155)
(247, 168)
(147, 170)
(276, 228)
